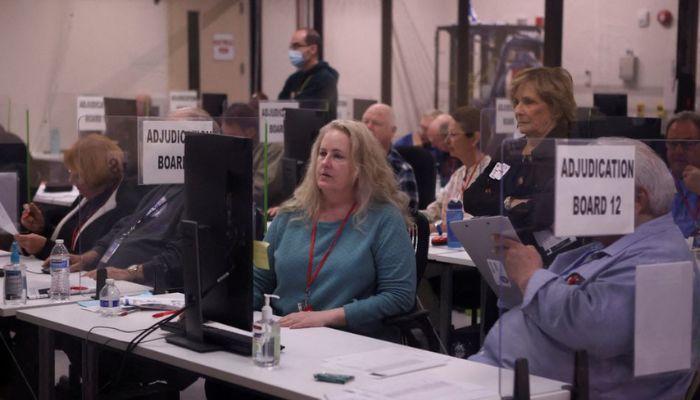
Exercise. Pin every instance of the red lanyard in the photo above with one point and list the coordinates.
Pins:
(465, 184)
(310, 273)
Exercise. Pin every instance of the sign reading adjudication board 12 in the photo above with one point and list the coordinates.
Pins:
(162, 152)
(594, 190)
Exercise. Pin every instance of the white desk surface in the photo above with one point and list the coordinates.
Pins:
(305, 349)
(444, 254)
(36, 279)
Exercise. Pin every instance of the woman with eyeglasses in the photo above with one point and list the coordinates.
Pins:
(465, 141)
(95, 165)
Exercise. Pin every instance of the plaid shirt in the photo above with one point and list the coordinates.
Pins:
(404, 174)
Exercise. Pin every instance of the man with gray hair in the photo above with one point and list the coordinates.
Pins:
(683, 154)
(585, 300)
(380, 120)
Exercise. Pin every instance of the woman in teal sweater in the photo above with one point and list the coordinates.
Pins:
(339, 252)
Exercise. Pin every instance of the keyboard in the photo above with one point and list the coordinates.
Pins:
(223, 339)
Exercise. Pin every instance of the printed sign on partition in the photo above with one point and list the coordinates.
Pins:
(505, 116)
(272, 115)
(91, 113)
(162, 149)
(344, 109)
(594, 190)
(187, 98)
(223, 46)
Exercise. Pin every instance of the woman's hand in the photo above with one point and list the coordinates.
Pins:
(310, 319)
(32, 218)
(31, 243)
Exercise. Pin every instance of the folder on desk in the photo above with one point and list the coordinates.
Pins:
(476, 235)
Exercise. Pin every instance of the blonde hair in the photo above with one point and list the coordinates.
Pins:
(373, 179)
(96, 159)
(556, 88)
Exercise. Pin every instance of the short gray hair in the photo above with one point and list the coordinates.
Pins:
(650, 174)
(690, 116)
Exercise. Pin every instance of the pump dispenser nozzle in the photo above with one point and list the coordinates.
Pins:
(267, 310)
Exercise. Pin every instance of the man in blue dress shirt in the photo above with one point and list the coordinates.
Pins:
(683, 154)
(586, 299)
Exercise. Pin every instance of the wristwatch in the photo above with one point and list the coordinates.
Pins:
(134, 269)
(507, 203)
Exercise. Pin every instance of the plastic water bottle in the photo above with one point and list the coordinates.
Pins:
(15, 279)
(109, 299)
(454, 212)
(59, 262)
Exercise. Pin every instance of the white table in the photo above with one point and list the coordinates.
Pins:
(450, 259)
(305, 350)
(36, 280)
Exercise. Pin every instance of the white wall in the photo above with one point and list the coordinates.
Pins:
(278, 24)
(54, 50)
(598, 32)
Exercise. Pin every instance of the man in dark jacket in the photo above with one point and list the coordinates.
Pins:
(314, 79)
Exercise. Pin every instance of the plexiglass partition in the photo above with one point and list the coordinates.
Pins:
(576, 237)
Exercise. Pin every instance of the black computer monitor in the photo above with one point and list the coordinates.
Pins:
(647, 130)
(218, 235)
(611, 104)
(214, 103)
(301, 126)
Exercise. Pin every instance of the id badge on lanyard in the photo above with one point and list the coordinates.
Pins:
(110, 251)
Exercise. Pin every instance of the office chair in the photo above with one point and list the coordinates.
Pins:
(415, 327)
(423, 164)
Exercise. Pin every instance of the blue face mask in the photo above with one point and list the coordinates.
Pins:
(296, 58)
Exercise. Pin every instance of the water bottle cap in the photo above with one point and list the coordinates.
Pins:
(454, 204)
(109, 281)
(59, 241)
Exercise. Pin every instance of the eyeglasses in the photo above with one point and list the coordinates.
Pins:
(455, 134)
(297, 46)
(684, 145)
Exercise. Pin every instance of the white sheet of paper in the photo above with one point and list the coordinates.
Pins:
(388, 361)
(6, 223)
(413, 388)
(663, 317)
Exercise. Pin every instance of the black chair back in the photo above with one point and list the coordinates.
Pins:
(423, 164)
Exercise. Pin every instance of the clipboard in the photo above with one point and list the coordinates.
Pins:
(476, 235)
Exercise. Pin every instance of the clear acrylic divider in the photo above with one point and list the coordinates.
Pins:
(587, 210)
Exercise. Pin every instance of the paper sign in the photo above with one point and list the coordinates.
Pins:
(272, 115)
(162, 149)
(91, 113)
(663, 317)
(505, 117)
(260, 259)
(345, 107)
(223, 46)
(183, 99)
(594, 190)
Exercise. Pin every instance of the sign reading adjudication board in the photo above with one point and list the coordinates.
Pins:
(187, 98)
(91, 113)
(594, 190)
(272, 114)
(162, 149)
(505, 116)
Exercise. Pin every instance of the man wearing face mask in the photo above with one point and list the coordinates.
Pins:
(314, 79)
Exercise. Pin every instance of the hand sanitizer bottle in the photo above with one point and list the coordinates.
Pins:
(15, 279)
(266, 337)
